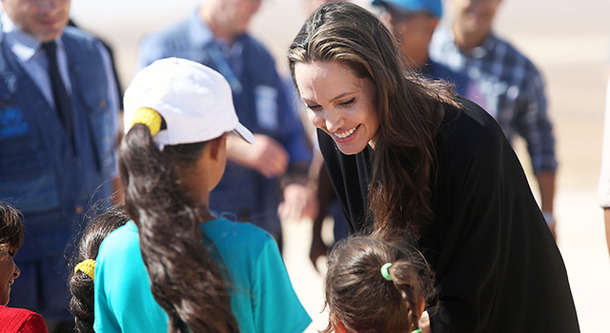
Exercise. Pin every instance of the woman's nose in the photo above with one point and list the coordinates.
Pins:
(334, 121)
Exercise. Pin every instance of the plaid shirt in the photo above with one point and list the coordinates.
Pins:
(511, 88)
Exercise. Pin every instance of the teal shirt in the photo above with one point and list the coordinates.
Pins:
(263, 300)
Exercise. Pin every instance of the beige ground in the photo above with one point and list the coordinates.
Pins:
(568, 40)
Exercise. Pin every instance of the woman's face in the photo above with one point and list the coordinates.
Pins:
(339, 103)
(8, 273)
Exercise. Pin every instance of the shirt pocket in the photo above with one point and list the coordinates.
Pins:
(102, 129)
(26, 172)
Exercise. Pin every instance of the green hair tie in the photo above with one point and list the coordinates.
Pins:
(384, 271)
(417, 330)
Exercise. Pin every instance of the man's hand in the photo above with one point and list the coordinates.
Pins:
(299, 202)
(265, 155)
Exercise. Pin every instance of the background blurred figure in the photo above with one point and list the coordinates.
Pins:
(311, 5)
(216, 35)
(11, 238)
(413, 23)
(604, 178)
(109, 48)
(512, 88)
(58, 108)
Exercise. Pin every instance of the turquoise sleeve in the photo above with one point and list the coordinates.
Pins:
(276, 305)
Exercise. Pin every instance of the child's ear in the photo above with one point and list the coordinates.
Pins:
(337, 324)
(217, 146)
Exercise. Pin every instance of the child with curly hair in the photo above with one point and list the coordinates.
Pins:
(83, 263)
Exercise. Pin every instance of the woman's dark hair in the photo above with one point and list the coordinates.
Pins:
(184, 279)
(81, 285)
(11, 227)
(359, 296)
(409, 109)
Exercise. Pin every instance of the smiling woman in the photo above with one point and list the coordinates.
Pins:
(408, 159)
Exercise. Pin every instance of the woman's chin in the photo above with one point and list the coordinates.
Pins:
(350, 149)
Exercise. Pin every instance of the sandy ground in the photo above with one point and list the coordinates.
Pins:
(568, 40)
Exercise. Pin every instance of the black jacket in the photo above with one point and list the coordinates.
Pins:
(497, 266)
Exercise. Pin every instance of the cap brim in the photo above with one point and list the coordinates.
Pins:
(244, 133)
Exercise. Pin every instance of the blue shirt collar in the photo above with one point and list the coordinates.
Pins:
(199, 31)
(485, 48)
(478, 52)
(201, 34)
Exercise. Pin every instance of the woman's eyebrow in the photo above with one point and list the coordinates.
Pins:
(332, 100)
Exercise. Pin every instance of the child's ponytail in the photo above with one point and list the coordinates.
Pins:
(185, 280)
(411, 279)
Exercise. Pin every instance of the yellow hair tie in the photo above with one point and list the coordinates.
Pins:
(148, 117)
(86, 266)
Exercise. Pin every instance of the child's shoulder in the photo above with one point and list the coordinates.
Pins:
(245, 234)
(14, 319)
(121, 239)
(123, 233)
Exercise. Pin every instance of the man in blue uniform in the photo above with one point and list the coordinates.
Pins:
(58, 106)
(258, 176)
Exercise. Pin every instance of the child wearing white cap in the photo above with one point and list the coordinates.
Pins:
(175, 266)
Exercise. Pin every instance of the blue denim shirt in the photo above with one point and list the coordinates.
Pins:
(262, 102)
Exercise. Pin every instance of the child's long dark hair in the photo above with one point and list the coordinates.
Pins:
(81, 285)
(362, 299)
(184, 279)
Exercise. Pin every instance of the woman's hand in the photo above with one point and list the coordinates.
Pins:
(424, 323)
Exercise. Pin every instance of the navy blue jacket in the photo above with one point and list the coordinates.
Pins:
(42, 176)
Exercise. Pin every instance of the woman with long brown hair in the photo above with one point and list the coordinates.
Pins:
(409, 159)
(176, 266)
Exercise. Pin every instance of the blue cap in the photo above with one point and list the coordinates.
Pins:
(433, 6)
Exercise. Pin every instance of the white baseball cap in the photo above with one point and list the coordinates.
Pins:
(194, 100)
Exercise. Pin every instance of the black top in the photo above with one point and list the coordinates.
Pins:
(497, 266)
